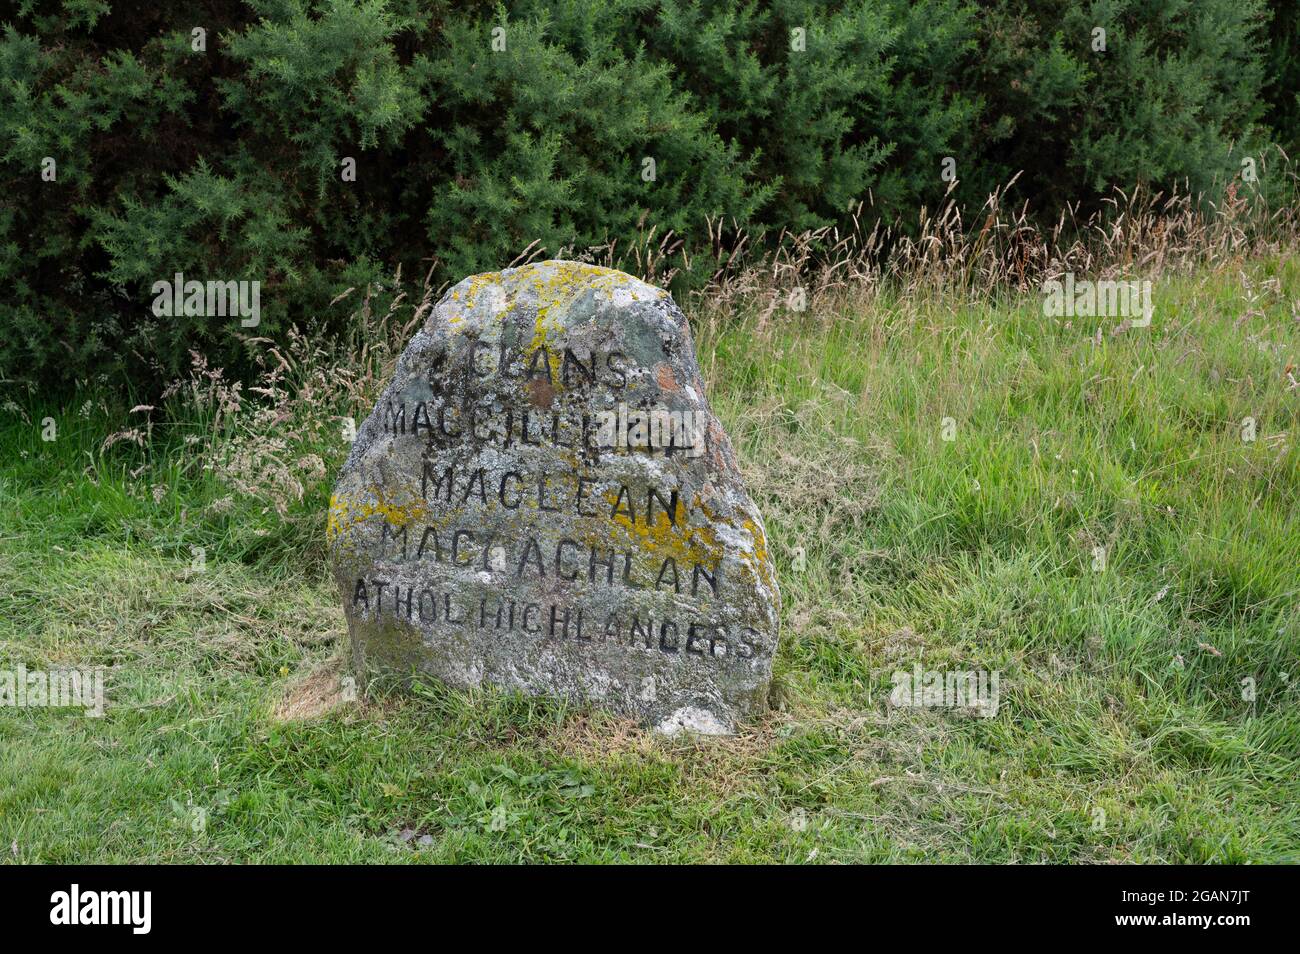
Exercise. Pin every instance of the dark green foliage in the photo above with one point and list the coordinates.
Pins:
(1174, 90)
(546, 139)
(225, 164)
(1282, 73)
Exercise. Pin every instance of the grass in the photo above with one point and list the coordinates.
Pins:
(1124, 732)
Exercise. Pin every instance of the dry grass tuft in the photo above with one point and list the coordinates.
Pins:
(1137, 234)
(598, 736)
(316, 694)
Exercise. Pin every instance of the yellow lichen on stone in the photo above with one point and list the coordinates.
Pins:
(758, 562)
(477, 284)
(555, 287)
(344, 513)
(663, 539)
(551, 286)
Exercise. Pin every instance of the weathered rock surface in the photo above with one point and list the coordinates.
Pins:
(542, 500)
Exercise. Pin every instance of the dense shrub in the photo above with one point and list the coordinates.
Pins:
(225, 164)
(1175, 88)
(1282, 73)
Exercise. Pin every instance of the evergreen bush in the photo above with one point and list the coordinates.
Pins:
(476, 128)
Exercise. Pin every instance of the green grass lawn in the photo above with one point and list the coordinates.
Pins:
(1098, 530)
